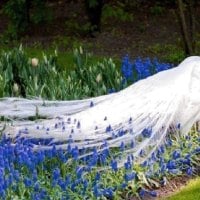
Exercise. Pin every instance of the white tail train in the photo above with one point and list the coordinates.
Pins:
(138, 117)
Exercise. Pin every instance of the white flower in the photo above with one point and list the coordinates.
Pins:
(98, 78)
(69, 79)
(118, 81)
(34, 62)
(15, 88)
(80, 50)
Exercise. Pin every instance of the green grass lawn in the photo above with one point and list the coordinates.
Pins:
(65, 58)
(189, 192)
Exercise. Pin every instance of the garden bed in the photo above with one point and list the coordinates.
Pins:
(58, 173)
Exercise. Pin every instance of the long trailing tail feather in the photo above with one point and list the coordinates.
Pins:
(137, 118)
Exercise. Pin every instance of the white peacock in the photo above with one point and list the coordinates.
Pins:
(138, 117)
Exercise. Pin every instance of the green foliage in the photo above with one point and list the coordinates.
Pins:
(98, 78)
(22, 76)
(92, 3)
(13, 67)
(157, 9)
(21, 13)
(16, 10)
(40, 13)
(74, 27)
(168, 52)
(116, 11)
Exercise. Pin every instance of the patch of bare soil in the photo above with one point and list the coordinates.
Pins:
(173, 186)
(136, 38)
(170, 188)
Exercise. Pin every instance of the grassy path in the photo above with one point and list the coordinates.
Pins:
(189, 192)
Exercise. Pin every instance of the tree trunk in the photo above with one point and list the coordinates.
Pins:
(184, 29)
(94, 13)
(28, 6)
(192, 22)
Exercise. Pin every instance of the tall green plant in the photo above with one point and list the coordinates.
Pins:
(99, 77)
(23, 76)
(13, 66)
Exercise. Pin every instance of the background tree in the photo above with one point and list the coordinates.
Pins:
(94, 12)
(18, 12)
(22, 13)
(186, 14)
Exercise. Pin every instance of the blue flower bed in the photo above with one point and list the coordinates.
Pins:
(139, 68)
(65, 174)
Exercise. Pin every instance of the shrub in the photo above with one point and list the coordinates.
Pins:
(22, 12)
